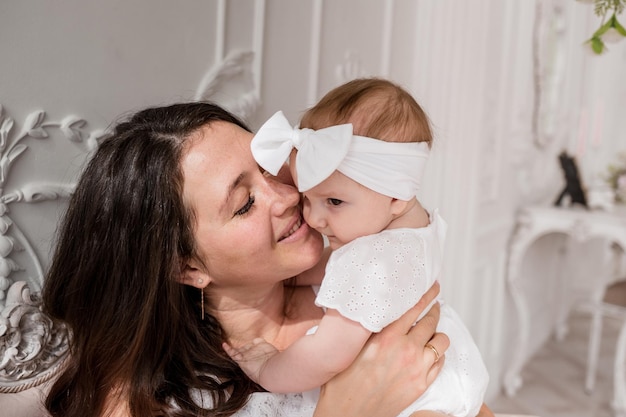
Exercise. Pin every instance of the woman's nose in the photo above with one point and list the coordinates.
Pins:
(284, 196)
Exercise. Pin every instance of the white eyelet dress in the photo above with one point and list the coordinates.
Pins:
(374, 279)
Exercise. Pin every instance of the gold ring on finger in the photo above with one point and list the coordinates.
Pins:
(431, 347)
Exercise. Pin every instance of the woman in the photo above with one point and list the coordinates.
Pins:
(174, 197)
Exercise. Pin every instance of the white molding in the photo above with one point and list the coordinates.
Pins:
(232, 71)
(494, 115)
(314, 51)
(549, 69)
(35, 126)
(233, 66)
(387, 37)
(32, 347)
(258, 37)
(220, 30)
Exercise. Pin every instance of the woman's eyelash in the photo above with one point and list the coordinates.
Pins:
(246, 207)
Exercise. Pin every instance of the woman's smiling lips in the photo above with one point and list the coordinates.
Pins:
(291, 233)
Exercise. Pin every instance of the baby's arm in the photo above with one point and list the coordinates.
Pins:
(309, 362)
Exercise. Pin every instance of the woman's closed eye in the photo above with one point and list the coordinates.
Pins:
(246, 207)
(334, 201)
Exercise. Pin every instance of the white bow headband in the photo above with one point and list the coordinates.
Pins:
(390, 168)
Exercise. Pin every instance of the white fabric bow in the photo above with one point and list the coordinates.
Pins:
(319, 151)
(390, 168)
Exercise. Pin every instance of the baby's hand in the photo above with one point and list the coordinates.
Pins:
(252, 357)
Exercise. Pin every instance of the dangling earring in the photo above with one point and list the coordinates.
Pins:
(202, 302)
(200, 282)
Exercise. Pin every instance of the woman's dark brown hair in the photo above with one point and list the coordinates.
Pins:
(135, 330)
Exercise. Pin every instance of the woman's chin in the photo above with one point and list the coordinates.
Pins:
(312, 252)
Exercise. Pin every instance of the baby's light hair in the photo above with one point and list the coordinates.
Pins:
(377, 108)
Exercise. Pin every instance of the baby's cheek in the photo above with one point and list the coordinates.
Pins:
(306, 209)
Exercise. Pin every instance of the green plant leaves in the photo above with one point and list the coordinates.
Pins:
(611, 30)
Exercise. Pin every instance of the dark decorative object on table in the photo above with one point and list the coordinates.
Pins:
(573, 186)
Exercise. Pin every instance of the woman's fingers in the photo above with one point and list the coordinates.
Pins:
(435, 348)
(424, 334)
(404, 353)
(235, 354)
(430, 295)
(423, 331)
(405, 323)
(434, 370)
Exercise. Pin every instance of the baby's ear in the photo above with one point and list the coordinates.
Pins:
(398, 206)
(194, 276)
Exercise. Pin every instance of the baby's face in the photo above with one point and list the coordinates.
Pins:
(344, 210)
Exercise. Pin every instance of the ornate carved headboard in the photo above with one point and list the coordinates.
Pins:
(32, 349)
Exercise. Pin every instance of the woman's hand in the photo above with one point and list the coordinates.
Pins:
(394, 368)
(252, 357)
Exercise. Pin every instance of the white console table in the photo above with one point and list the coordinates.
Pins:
(532, 223)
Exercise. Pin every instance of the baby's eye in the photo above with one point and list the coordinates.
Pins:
(334, 201)
(246, 207)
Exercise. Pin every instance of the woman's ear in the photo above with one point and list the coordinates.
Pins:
(195, 276)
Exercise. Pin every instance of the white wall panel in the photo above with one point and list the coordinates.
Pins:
(352, 32)
(403, 40)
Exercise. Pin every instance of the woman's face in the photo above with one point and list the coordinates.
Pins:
(249, 227)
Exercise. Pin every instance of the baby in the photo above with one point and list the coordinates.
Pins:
(358, 158)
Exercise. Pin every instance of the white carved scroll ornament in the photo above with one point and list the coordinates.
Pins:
(32, 347)
(229, 76)
(549, 71)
